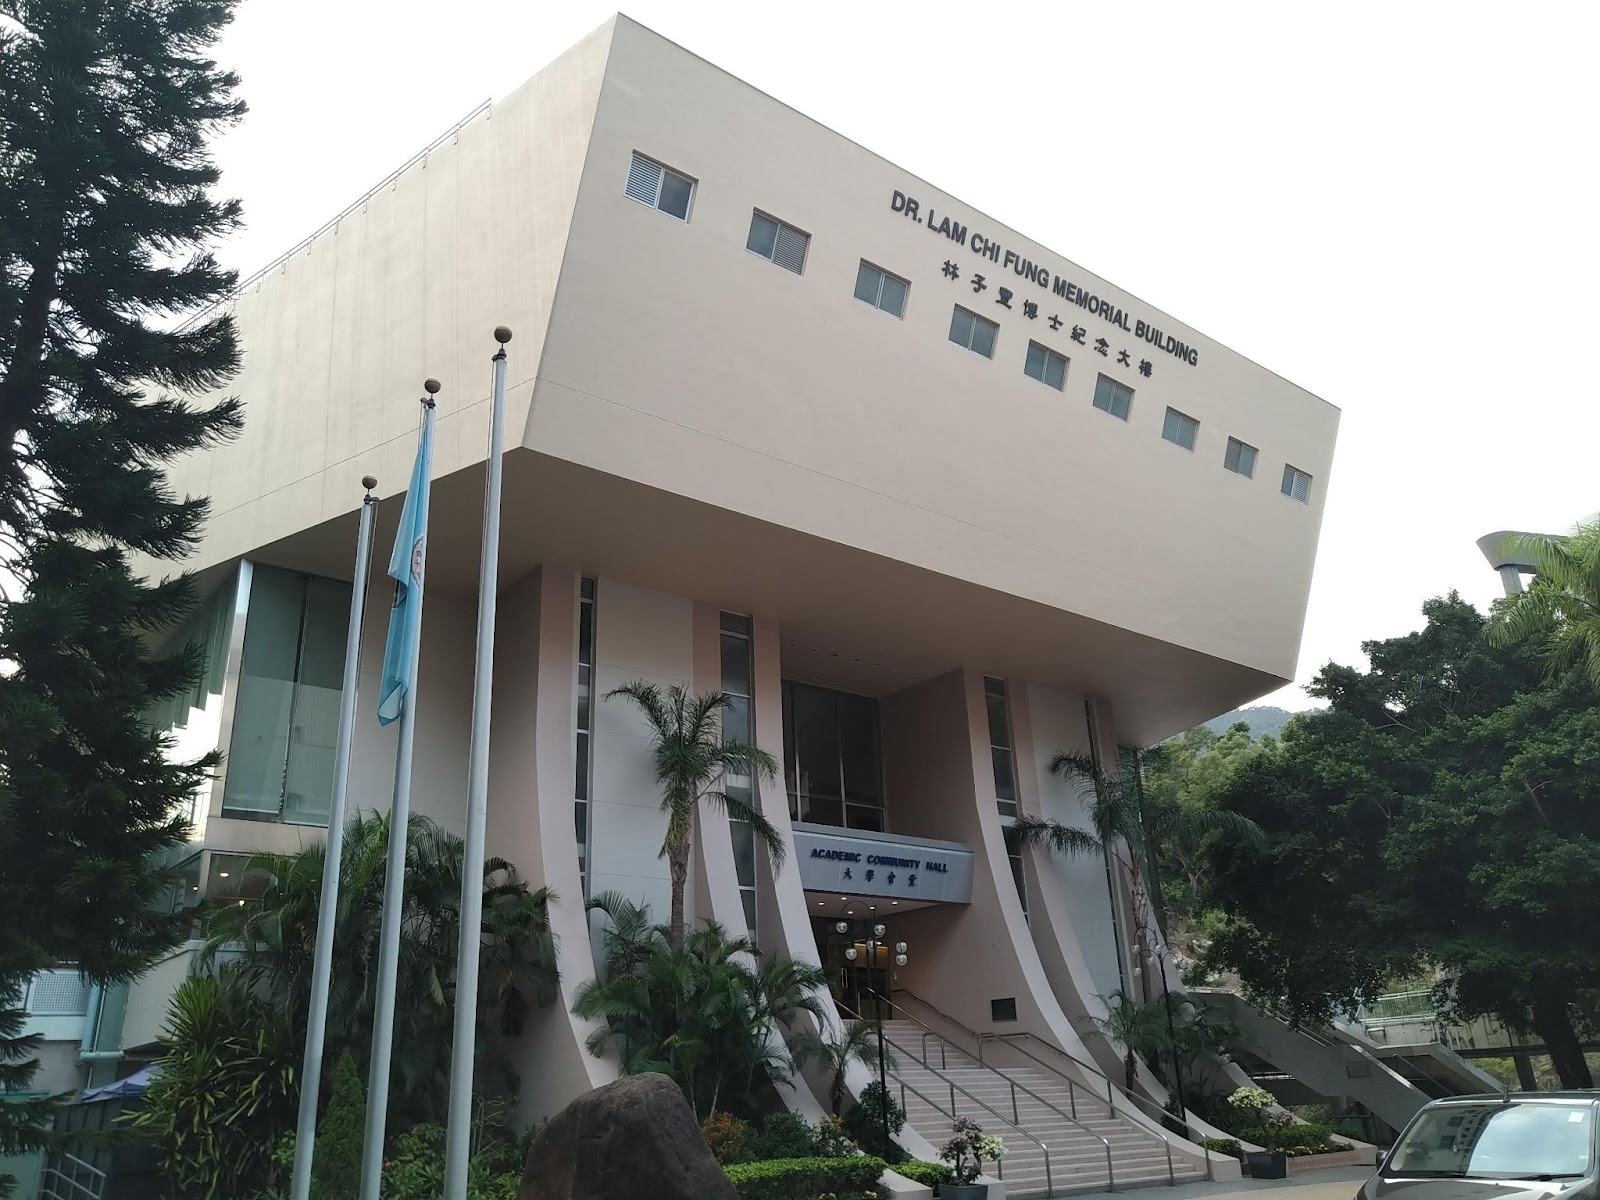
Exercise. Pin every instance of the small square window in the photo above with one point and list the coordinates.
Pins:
(880, 289)
(1003, 1010)
(1240, 458)
(1046, 366)
(777, 242)
(1112, 397)
(660, 187)
(1180, 429)
(975, 333)
(1296, 484)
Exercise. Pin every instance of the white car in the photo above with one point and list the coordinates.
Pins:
(1516, 1146)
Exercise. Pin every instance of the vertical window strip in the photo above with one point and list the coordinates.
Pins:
(1003, 759)
(738, 725)
(583, 730)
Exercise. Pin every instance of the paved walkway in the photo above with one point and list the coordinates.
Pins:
(1336, 1183)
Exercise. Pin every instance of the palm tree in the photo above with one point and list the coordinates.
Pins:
(702, 1014)
(1140, 1029)
(1120, 828)
(857, 1043)
(265, 948)
(1562, 604)
(691, 763)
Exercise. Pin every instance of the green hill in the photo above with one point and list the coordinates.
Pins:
(1262, 720)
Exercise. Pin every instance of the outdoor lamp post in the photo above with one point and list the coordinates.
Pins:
(875, 941)
(1159, 956)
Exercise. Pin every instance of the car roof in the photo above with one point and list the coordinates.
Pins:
(1590, 1095)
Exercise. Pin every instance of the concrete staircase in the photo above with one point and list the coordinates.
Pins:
(952, 1083)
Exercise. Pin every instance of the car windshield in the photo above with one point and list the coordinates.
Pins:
(1497, 1141)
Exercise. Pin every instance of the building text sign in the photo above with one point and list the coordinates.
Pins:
(1059, 287)
(851, 864)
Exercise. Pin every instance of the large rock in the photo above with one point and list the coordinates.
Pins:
(635, 1139)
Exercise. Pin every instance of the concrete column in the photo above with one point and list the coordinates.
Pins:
(530, 822)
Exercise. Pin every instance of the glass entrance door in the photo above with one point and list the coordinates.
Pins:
(855, 984)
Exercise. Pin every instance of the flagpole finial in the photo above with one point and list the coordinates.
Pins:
(502, 334)
(369, 482)
(431, 386)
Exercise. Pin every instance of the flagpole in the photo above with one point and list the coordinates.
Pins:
(322, 961)
(393, 894)
(463, 1047)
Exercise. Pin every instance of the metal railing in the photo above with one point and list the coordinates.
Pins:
(954, 1087)
(1015, 1087)
(71, 1178)
(1159, 1114)
(1072, 1086)
(1113, 1088)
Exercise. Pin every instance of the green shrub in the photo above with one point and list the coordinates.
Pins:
(864, 1124)
(804, 1178)
(336, 1164)
(833, 1141)
(782, 1135)
(414, 1169)
(1223, 1146)
(726, 1134)
(932, 1174)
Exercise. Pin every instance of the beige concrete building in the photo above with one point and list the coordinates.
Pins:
(930, 499)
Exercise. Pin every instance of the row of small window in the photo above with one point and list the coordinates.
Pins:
(975, 333)
(663, 188)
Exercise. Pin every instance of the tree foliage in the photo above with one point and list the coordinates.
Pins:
(1440, 812)
(106, 210)
(711, 1015)
(1122, 825)
(270, 945)
(692, 762)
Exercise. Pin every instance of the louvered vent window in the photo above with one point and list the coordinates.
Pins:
(1240, 458)
(660, 187)
(777, 242)
(59, 993)
(1296, 484)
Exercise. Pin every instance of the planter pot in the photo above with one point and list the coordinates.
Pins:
(963, 1191)
(1266, 1164)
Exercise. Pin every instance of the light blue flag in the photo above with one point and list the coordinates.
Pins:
(405, 567)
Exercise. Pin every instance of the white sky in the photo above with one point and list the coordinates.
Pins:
(1392, 205)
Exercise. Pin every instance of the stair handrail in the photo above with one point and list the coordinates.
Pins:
(1112, 1086)
(999, 1163)
(1111, 1175)
(1161, 1113)
(1072, 1085)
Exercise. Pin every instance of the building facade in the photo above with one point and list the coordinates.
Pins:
(928, 500)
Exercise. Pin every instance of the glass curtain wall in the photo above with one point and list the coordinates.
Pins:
(832, 757)
(286, 715)
(738, 725)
